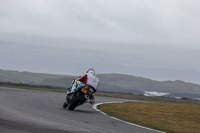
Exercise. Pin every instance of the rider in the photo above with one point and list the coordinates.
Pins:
(91, 79)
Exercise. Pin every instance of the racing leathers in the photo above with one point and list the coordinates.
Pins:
(91, 80)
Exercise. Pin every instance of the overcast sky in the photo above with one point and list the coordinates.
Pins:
(119, 26)
(94, 22)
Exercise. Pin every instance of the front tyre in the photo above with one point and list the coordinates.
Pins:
(75, 101)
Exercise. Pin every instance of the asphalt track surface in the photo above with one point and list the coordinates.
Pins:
(29, 111)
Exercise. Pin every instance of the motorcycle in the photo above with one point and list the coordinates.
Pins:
(78, 96)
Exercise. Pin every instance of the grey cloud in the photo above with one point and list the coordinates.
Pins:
(156, 22)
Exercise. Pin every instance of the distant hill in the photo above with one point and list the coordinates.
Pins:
(144, 62)
(108, 82)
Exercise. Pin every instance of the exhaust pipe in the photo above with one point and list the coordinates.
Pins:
(86, 97)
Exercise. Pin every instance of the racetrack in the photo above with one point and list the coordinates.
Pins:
(28, 111)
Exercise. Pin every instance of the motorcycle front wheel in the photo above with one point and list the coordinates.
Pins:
(75, 101)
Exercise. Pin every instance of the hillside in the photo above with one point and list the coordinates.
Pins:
(108, 82)
(46, 59)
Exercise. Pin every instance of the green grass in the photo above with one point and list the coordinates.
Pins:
(171, 118)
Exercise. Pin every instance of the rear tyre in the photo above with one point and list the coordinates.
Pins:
(76, 101)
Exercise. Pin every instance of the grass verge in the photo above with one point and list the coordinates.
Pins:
(171, 118)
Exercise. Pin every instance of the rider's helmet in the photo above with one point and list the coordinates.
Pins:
(91, 70)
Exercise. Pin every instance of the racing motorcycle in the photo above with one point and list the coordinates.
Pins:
(78, 96)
